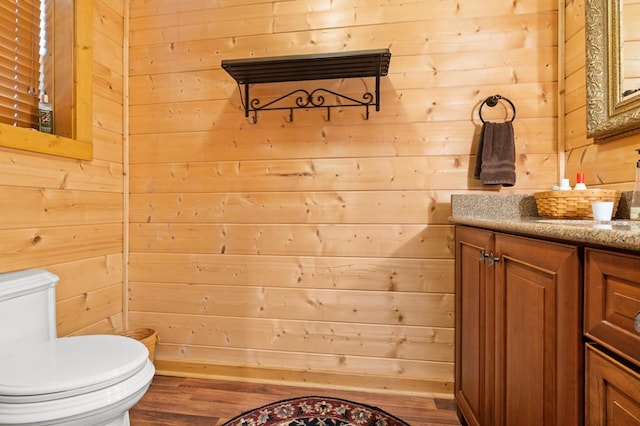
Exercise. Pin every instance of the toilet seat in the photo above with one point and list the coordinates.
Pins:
(69, 366)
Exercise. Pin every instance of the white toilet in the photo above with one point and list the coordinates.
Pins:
(45, 380)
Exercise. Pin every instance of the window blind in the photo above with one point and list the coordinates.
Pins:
(19, 62)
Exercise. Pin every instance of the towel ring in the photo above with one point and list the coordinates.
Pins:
(493, 101)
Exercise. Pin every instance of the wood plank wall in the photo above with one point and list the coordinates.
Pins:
(300, 250)
(67, 215)
(292, 249)
(610, 164)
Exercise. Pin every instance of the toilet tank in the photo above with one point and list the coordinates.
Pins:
(27, 308)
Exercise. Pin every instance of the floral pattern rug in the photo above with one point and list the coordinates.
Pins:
(316, 411)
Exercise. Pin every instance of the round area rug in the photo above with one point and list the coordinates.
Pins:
(316, 411)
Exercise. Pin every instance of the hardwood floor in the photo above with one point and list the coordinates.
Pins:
(190, 401)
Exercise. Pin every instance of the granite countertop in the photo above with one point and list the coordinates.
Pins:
(518, 214)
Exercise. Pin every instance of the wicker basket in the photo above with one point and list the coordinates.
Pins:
(573, 204)
(147, 336)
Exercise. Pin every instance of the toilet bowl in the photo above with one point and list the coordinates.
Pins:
(81, 380)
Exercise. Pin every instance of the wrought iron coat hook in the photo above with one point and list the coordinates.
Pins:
(492, 101)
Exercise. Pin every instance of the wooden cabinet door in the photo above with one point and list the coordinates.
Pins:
(612, 301)
(474, 336)
(612, 391)
(539, 366)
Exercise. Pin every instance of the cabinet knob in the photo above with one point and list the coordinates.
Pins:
(636, 323)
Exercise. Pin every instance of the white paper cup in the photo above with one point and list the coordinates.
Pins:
(602, 210)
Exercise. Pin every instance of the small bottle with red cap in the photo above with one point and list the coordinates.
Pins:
(580, 182)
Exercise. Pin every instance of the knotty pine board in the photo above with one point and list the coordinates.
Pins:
(532, 136)
(395, 173)
(304, 304)
(89, 294)
(575, 96)
(141, 8)
(194, 54)
(111, 56)
(501, 30)
(424, 375)
(23, 248)
(107, 83)
(108, 20)
(415, 241)
(108, 114)
(442, 71)
(407, 345)
(575, 129)
(298, 207)
(337, 273)
(87, 275)
(57, 207)
(22, 169)
(108, 145)
(86, 309)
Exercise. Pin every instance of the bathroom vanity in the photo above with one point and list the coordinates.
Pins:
(547, 318)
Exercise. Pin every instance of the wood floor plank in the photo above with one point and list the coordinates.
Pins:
(172, 401)
(145, 418)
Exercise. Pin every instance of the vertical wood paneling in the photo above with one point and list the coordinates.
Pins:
(67, 215)
(310, 245)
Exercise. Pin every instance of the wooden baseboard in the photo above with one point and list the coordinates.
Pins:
(404, 386)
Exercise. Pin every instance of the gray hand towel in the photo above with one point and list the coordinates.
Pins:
(495, 162)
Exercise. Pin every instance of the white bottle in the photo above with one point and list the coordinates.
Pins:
(564, 185)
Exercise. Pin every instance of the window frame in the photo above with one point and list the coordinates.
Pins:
(80, 145)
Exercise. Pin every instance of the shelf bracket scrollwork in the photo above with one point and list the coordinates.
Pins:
(304, 99)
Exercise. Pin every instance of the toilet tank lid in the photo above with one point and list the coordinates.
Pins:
(20, 283)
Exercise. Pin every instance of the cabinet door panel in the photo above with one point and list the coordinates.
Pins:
(473, 334)
(527, 304)
(612, 298)
(613, 391)
(539, 353)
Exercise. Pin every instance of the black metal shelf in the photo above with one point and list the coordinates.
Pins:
(357, 64)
